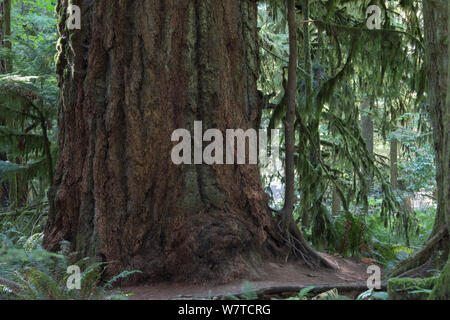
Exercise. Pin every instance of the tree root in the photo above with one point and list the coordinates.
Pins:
(418, 264)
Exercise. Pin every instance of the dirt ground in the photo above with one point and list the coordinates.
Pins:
(350, 270)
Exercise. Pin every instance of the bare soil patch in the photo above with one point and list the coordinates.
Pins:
(351, 271)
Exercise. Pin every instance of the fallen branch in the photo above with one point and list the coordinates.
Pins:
(279, 290)
(24, 211)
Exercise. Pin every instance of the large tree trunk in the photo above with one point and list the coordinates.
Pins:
(135, 72)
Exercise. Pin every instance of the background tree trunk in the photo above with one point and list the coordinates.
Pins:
(367, 134)
(436, 37)
(336, 202)
(393, 165)
(135, 72)
(393, 156)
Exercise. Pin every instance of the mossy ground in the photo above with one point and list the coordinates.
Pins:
(410, 289)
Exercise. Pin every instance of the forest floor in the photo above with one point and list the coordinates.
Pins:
(351, 271)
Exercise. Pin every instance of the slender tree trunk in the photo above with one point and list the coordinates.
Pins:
(447, 121)
(289, 198)
(367, 124)
(393, 156)
(367, 134)
(18, 191)
(393, 163)
(436, 16)
(393, 168)
(405, 210)
(336, 202)
(313, 120)
(436, 37)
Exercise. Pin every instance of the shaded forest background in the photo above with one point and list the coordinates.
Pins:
(365, 183)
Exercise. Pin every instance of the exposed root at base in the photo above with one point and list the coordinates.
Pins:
(284, 290)
(423, 260)
(291, 235)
